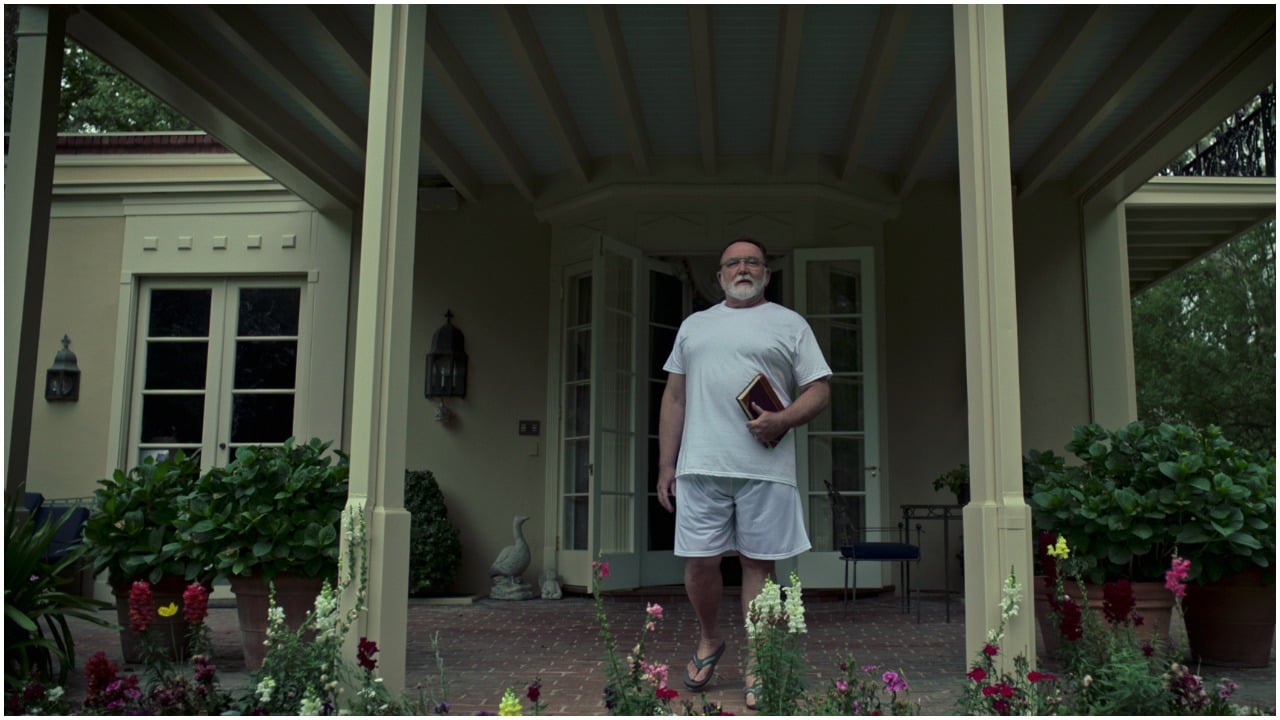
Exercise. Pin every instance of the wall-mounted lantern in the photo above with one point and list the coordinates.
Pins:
(62, 381)
(447, 365)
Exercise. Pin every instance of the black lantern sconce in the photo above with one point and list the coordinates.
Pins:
(62, 381)
(447, 366)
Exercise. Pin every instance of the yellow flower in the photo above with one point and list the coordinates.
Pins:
(168, 610)
(1060, 550)
(509, 706)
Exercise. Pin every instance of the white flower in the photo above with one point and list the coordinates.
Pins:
(265, 687)
(311, 705)
(1010, 594)
(55, 693)
(795, 607)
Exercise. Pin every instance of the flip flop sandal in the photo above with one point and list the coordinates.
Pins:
(751, 693)
(713, 659)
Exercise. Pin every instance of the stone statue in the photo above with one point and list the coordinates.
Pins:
(551, 585)
(507, 571)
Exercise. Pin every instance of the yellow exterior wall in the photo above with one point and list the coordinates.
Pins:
(69, 440)
(489, 265)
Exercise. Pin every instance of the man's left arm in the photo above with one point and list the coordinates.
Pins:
(812, 399)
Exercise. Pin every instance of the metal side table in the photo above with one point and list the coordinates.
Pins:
(945, 514)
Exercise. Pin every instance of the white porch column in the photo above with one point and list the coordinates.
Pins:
(1112, 388)
(28, 186)
(379, 397)
(997, 523)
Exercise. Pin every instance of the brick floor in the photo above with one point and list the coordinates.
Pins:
(490, 645)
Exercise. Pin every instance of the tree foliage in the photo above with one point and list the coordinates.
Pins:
(1204, 342)
(95, 97)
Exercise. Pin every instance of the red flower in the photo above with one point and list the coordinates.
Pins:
(990, 650)
(365, 651)
(1048, 563)
(195, 603)
(1070, 623)
(1117, 601)
(534, 691)
(989, 690)
(666, 693)
(977, 674)
(1147, 649)
(142, 606)
(1000, 706)
(1036, 676)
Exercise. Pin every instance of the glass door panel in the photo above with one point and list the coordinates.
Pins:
(835, 294)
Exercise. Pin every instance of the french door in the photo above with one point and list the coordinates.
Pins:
(216, 366)
(835, 293)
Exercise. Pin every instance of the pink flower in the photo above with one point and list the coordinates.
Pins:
(600, 567)
(842, 687)
(1175, 577)
(1036, 676)
(893, 682)
(654, 610)
(195, 603)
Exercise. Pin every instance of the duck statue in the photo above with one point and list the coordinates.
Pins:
(507, 571)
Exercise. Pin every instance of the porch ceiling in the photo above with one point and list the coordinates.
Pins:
(559, 101)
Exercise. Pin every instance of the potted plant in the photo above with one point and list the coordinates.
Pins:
(1142, 493)
(1230, 494)
(956, 482)
(274, 513)
(132, 536)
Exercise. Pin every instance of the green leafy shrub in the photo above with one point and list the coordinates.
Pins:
(270, 510)
(131, 532)
(1142, 490)
(435, 550)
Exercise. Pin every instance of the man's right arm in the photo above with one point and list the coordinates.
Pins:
(670, 430)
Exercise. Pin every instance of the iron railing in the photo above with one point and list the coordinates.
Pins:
(1243, 146)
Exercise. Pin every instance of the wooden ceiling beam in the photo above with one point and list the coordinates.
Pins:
(790, 38)
(607, 31)
(704, 82)
(348, 45)
(1135, 64)
(522, 38)
(254, 42)
(1069, 38)
(886, 44)
(446, 63)
(436, 146)
(942, 110)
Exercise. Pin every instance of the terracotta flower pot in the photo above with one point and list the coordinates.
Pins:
(1151, 601)
(1232, 621)
(295, 594)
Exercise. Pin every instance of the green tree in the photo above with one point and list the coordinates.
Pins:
(95, 97)
(1204, 342)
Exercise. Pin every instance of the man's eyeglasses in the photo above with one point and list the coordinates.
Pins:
(750, 262)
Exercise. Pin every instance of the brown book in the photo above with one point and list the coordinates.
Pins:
(760, 392)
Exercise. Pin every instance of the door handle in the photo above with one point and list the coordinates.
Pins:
(873, 469)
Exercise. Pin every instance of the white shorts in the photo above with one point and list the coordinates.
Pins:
(760, 519)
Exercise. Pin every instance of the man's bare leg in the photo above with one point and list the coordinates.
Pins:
(754, 573)
(705, 587)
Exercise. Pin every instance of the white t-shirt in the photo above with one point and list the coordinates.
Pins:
(719, 350)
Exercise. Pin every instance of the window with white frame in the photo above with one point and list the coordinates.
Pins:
(216, 366)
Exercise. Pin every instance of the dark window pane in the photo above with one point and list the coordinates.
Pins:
(179, 313)
(575, 523)
(172, 418)
(662, 526)
(261, 418)
(577, 465)
(666, 299)
(577, 403)
(268, 311)
(266, 364)
(176, 365)
(773, 291)
(661, 340)
(655, 406)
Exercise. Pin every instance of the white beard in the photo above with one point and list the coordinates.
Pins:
(743, 293)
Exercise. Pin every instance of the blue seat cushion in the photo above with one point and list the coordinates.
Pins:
(885, 551)
(68, 535)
